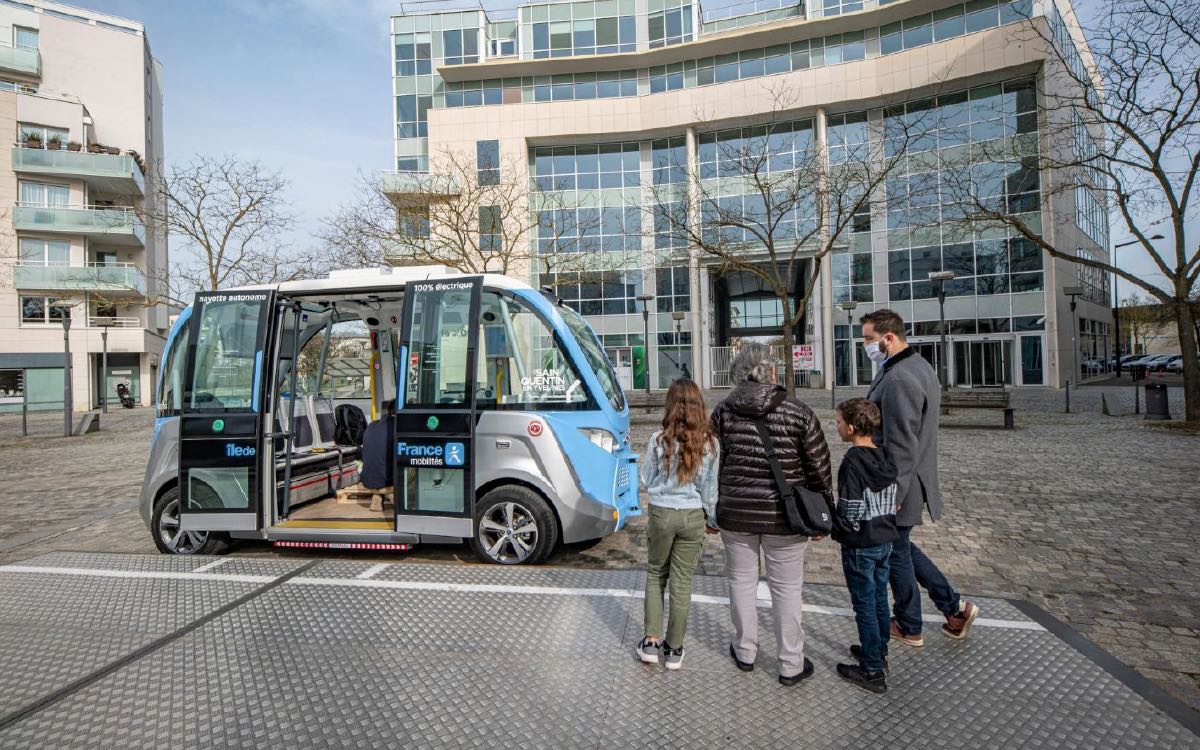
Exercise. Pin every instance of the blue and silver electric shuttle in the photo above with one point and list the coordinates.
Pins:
(510, 428)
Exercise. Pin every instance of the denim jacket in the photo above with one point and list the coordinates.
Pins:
(664, 489)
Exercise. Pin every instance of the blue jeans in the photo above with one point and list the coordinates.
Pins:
(911, 567)
(866, 571)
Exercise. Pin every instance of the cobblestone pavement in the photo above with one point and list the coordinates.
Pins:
(1095, 518)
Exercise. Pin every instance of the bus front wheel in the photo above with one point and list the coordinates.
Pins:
(170, 540)
(513, 526)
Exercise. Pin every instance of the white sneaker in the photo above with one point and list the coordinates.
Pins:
(674, 657)
(648, 652)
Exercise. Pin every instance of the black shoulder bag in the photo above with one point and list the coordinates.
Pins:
(807, 511)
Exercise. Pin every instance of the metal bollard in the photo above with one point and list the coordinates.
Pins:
(1137, 399)
(1157, 405)
(1067, 392)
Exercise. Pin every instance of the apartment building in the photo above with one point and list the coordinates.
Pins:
(600, 103)
(81, 100)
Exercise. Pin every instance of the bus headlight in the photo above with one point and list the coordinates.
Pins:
(602, 438)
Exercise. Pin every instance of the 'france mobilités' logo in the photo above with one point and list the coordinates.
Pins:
(424, 454)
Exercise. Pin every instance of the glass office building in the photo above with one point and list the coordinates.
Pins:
(620, 111)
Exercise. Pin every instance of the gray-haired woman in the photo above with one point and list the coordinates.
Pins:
(750, 512)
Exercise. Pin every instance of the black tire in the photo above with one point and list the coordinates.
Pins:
(185, 543)
(513, 508)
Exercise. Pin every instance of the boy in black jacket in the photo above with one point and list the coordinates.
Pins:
(865, 526)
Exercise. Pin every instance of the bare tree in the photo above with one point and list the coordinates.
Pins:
(231, 216)
(450, 217)
(1121, 127)
(766, 198)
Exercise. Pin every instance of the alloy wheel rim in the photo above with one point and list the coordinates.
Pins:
(508, 533)
(178, 542)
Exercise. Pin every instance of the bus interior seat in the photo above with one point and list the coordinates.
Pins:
(320, 410)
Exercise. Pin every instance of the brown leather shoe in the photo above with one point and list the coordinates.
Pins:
(915, 641)
(957, 626)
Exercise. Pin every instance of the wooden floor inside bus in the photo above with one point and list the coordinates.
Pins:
(330, 514)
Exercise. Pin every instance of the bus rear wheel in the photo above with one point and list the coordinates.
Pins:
(513, 526)
(170, 540)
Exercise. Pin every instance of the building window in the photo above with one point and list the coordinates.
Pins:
(487, 162)
(42, 133)
(847, 135)
(490, 230)
(40, 310)
(666, 78)
(611, 165)
(460, 46)
(1090, 215)
(671, 26)
(414, 54)
(1093, 280)
(598, 292)
(44, 195)
(583, 34)
(41, 252)
(851, 277)
(672, 290)
(412, 118)
(25, 37)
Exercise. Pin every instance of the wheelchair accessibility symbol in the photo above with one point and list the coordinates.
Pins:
(456, 454)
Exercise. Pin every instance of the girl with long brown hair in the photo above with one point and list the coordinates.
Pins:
(679, 473)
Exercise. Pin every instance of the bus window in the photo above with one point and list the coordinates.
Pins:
(170, 397)
(522, 365)
(439, 347)
(594, 353)
(226, 351)
(347, 373)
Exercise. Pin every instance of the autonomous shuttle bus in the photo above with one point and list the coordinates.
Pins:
(506, 422)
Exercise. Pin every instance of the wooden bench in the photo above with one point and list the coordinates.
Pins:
(356, 493)
(979, 398)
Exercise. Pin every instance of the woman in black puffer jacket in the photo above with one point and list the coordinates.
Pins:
(750, 512)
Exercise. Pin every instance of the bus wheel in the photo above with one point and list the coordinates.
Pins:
(513, 525)
(171, 541)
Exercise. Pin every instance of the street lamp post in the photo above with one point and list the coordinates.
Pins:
(848, 306)
(646, 299)
(1117, 301)
(104, 368)
(678, 317)
(940, 278)
(68, 406)
(1073, 292)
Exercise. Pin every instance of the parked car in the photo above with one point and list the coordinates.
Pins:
(1160, 365)
(1151, 363)
(1176, 364)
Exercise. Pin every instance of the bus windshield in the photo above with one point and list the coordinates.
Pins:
(594, 353)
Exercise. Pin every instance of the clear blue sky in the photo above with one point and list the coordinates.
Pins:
(300, 85)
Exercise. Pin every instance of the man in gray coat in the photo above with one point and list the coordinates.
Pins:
(907, 392)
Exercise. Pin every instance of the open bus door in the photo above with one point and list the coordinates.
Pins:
(222, 446)
(436, 417)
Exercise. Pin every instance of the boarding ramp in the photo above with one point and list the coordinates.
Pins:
(101, 650)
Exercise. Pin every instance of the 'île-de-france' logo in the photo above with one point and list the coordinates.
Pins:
(456, 454)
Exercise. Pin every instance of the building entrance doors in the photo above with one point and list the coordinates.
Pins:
(622, 361)
(982, 363)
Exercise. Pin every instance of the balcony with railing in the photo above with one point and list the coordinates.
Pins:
(107, 173)
(116, 279)
(112, 225)
(399, 184)
(113, 321)
(26, 61)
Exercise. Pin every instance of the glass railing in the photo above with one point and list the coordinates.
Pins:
(107, 221)
(80, 163)
(21, 60)
(124, 277)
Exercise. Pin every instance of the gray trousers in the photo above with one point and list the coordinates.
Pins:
(785, 579)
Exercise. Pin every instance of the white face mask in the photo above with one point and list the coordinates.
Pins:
(875, 354)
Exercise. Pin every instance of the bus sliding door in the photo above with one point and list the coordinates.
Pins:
(435, 424)
(221, 447)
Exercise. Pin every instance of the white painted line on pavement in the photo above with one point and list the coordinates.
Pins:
(211, 565)
(188, 576)
(371, 571)
(483, 588)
